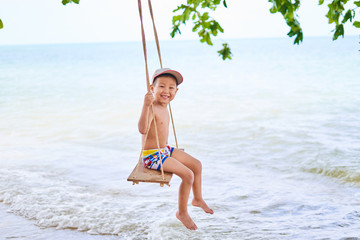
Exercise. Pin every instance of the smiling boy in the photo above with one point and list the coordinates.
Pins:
(163, 90)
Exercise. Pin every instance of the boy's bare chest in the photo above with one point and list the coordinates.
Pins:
(162, 117)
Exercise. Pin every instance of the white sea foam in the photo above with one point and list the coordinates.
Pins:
(60, 203)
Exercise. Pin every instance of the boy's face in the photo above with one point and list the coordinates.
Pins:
(164, 89)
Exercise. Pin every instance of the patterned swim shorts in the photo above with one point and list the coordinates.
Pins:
(151, 157)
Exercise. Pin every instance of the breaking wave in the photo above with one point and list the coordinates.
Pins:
(344, 174)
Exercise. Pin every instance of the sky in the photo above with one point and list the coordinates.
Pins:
(49, 22)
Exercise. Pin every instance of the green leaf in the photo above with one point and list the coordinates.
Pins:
(175, 30)
(225, 53)
(201, 33)
(176, 18)
(196, 27)
(64, 2)
(299, 38)
(205, 16)
(356, 24)
(186, 14)
(224, 2)
(348, 15)
(220, 28)
(76, 1)
(274, 9)
(357, 3)
(291, 33)
(339, 31)
(206, 24)
(177, 9)
(208, 39)
(193, 16)
(321, 2)
(213, 29)
(289, 15)
(1, 24)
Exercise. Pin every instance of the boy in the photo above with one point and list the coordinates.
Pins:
(163, 90)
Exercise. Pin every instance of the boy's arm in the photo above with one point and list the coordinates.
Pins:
(145, 117)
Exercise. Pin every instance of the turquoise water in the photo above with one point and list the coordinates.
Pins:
(276, 129)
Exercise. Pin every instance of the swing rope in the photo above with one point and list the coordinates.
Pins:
(159, 53)
(155, 32)
(148, 88)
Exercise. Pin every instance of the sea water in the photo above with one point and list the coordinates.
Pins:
(276, 128)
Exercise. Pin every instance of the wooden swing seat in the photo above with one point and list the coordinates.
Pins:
(149, 175)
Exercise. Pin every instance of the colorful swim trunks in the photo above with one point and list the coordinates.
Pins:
(151, 157)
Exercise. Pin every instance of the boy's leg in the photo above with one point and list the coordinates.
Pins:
(194, 165)
(187, 176)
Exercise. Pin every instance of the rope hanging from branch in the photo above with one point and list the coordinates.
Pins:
(148, 84)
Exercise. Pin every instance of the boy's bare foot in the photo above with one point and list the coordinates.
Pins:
(203, 205)
(186, 220)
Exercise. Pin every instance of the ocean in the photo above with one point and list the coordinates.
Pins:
(276, 128)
